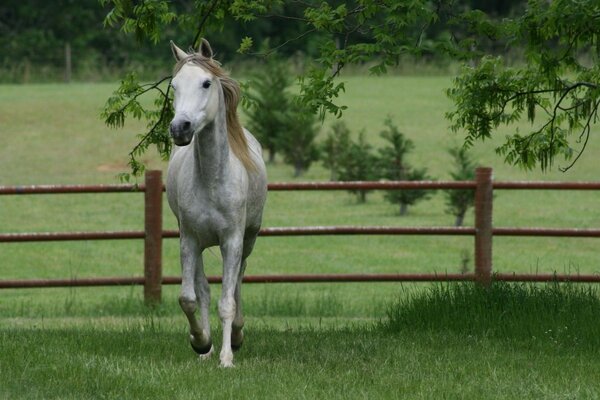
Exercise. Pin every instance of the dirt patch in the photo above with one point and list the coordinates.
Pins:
(111, 167)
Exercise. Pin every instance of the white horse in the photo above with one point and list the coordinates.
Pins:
(216, 187)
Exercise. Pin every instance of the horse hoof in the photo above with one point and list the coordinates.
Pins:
(237, 339)
(202, 350)
(236, 347)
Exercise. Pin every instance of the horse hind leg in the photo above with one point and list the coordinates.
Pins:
(237, 333)
(194, 291)
(203, 298)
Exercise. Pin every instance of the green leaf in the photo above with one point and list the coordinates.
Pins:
(245, 45)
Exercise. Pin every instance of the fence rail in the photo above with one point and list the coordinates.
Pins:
(308, 231)
(304, 186)
(153, 234)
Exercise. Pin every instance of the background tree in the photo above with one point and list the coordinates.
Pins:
(297, 138)
(406, 198)
(335, 148)
(269, 103)
(459, 201)
(358, 164)
(393, 166)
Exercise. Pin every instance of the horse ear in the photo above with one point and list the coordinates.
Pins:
(205, 49)
(177, 52)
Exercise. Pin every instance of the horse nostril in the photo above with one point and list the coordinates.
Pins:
(179, 126)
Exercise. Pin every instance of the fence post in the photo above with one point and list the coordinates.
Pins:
(483, 226)
(153, 237)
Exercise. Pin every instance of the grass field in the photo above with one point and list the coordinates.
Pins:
(441, 343)
(305, 341)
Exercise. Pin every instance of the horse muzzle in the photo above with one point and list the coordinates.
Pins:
(181, 131)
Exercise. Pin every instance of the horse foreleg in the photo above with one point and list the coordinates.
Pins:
(191, 265)
(203, 298)
(232, 257)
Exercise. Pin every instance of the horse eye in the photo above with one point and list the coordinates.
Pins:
(206, 84)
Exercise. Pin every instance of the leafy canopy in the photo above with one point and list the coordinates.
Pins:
(555, 89)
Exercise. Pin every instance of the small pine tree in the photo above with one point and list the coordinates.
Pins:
(297, 139)
(358, 164)
(335, 148)
(393, 166)
(410, 197)
(459, 201)
(269, 103)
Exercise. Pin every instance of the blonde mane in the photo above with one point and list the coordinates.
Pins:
(232, 95)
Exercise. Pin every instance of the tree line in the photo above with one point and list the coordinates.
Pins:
(45, 40)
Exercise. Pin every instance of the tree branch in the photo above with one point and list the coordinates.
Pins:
(586, 130)
(148, 88)
(202, 22)
(156, 124)
(274, 49)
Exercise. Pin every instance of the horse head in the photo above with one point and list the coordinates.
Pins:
(196, 97)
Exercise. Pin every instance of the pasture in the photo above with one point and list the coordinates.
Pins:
(304, 341)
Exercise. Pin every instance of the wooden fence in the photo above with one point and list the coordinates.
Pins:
(153, 234)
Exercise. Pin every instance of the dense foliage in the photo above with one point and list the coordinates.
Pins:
(557, 88)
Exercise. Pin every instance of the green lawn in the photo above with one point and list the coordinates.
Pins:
(529, 351)
(305, 341)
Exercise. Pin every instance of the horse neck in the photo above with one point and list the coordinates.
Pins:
(212, 150)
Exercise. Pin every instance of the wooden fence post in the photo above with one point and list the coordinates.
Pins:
(483, 226)
(153, 237)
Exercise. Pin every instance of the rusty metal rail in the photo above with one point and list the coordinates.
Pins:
(483, 232)
(175, 280)
(308, 186)
(277, 186)
(71, 189)
(308, 231)
(304, 278)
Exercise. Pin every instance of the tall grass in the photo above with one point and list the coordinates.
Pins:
(558, 314)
